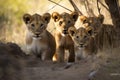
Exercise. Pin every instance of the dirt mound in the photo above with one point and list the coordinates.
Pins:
(11, 67)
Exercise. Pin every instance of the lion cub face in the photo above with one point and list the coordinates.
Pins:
(36, 23)
(94, 22)
(64, 21)
(80, 36)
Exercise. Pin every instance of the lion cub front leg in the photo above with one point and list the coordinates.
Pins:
(46, 56)
(60, 53)
(71, 57)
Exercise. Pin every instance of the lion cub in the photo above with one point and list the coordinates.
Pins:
(63, 40)
(38, 40)
(104, 34)
(94, 22)
(84, 42)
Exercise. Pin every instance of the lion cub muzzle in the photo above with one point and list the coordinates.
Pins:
(65, 31)
(81, 45)
(36, 35)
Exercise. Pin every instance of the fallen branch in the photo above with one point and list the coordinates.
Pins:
(54, 6)
(60, 5)
(98, 7)
(89, 8)
(75, 7)
(103, 5)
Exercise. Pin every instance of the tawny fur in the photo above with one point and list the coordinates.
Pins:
(105, 39)
(104, 34)
(63, 40)
(84, 43)
(94, 22)
(38, 40)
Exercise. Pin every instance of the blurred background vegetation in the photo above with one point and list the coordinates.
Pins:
(10, 19)
(12, 27)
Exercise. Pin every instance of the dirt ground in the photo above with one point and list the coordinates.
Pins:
(57, 71)
(106, 68)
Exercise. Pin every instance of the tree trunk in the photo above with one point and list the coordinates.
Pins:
(114, 11)
(115, 15)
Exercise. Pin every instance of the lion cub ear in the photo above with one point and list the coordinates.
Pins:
(83, 19)
(72, 31)
(47, 17)
(101, 18)
(27, 18)
(75, 15)
(55, 16)
(90, 31)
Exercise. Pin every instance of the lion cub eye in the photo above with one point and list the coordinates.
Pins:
(33, 25)
(85, 36)
(41, 25)
(85, 21)
(60, 23)
(77, 37)
(69, 22)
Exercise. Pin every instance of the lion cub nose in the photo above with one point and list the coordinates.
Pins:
(65, 31)
(81, 45)
(37, 34)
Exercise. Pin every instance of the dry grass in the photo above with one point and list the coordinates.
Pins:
(110, 70)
